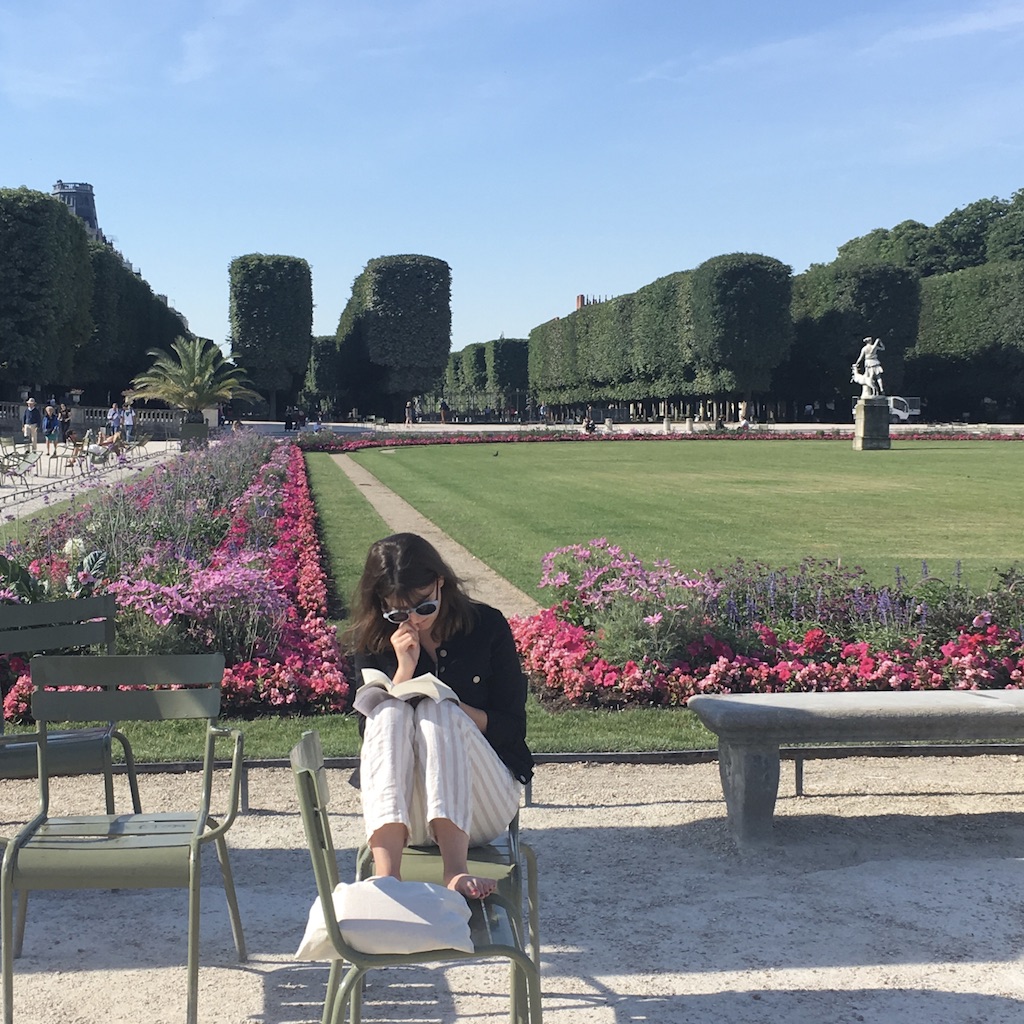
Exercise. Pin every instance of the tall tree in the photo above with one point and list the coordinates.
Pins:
(1005, 238)
(394, 334)
(271, 310)
(963, 232)
(46, 290)
(742, 326)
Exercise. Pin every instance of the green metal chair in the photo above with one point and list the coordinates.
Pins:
(494, 924)
(126, 851)
(52, 626)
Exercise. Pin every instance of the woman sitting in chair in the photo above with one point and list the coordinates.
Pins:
(106, 444)
(442, 773)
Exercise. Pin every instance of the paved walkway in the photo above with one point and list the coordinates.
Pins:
(19, 501)
(482, 581)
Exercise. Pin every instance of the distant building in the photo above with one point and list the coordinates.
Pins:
(78, 197)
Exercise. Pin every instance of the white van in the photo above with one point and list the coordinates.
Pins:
(901, 410)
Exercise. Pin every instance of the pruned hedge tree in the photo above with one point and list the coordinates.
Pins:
(45, 288)
(970, 345)
(271, 313)
(507, 364)
(394, 334)
(836, 306)
(127, 321)
(742, 327)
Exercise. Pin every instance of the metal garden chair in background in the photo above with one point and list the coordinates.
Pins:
(57, 626)
(19, 464)
(126, 851)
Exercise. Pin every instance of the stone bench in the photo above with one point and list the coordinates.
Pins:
(751, 727)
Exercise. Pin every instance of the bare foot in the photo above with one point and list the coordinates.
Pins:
(473, 887)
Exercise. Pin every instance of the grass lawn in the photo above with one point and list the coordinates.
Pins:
(705, 503)
(576, 731)
(347, 526)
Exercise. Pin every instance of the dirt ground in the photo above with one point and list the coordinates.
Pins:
(894, 891)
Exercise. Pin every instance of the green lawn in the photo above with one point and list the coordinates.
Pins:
(706, 503)
(577, 731)
(347, 526)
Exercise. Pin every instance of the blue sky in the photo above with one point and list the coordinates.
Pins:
(543, 148)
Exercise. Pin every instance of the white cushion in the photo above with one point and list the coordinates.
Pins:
(384, 915)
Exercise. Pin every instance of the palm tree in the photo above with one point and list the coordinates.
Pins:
(196, 377)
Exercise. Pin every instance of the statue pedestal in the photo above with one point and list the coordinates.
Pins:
(871, 425)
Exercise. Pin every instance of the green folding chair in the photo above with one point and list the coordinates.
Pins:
(125, 851)
(494, 925)
(53, 626)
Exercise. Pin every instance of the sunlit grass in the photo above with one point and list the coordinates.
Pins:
(705, 503)
(577, 731)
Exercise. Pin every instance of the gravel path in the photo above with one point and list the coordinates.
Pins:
(894, 892)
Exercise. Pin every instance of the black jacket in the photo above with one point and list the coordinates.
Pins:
(483, 668)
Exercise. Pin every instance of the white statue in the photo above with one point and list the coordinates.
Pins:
(870, 379)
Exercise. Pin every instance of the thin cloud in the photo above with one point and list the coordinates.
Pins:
(835, 47)
(972, 23)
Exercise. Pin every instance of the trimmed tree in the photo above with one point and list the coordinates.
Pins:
(46, 288)
(835, 307)
(970, 346)
(507, 362)
(271, 311)
(128, 320)
(394, 334)
(742, 327)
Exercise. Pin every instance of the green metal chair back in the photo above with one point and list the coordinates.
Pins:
(86, 622)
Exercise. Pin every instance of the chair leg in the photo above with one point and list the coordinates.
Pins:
(7, 944)
(516, 992)
(108, 778)
(350, 994)
(129, 768)
(229, 893)
(19, 922)
(532, 901)
(192, 1008)
(331, 992)
(526, 997)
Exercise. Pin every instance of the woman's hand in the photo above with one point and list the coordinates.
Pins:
(406, 642)
(478, 716)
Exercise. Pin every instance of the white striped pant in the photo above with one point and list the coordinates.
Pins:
(431, 761)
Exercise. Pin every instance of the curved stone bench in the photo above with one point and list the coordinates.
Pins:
(752, 726)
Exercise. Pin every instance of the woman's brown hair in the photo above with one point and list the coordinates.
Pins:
(396, 568)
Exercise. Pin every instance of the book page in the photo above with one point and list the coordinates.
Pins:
(377, 687)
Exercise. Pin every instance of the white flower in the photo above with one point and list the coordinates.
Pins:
(74, 548)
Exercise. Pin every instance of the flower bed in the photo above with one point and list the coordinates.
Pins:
(624, 634)
(217, 551)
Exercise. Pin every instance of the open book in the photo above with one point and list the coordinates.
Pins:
(377, 687)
